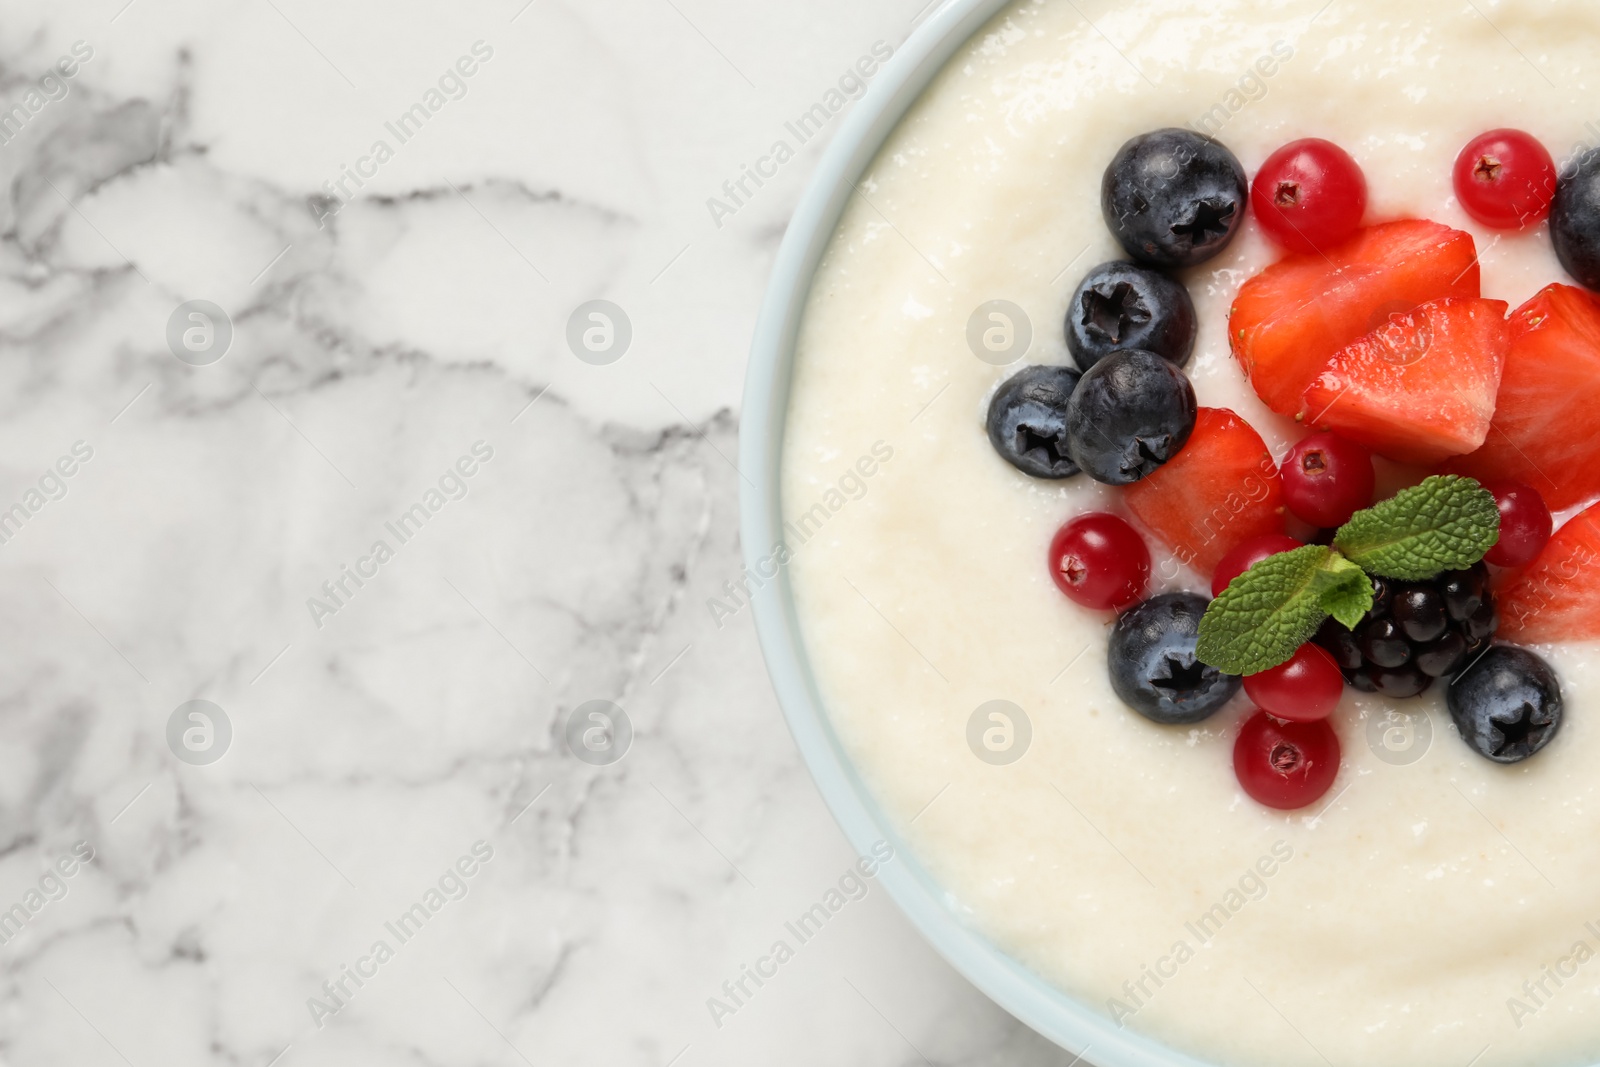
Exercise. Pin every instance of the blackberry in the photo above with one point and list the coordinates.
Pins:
(1415, 632)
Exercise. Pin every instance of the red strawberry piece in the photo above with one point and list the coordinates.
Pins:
(1221, 489)
(1419, 388)
(1550, 391)
(1290, 319)
(1557, 596)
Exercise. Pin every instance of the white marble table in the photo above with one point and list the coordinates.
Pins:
(381, 358)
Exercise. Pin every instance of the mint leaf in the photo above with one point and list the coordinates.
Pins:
(1446, 523)
(1272, 608)
(1346, 591)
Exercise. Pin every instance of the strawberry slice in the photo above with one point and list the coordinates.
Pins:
(1419, 388)
(1542, 434)
(1557, 596)
(1221, 489)
(1291, 318)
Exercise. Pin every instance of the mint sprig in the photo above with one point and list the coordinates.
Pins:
(1346, 592)
(1271, 609)
(1445, 523)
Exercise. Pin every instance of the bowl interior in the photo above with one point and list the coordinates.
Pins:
(1077, 1026)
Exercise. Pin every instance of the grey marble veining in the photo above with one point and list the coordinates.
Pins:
(395, 859)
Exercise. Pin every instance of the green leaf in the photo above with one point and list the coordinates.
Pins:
(1346, 591)
(1446, 523)
(1272, 608)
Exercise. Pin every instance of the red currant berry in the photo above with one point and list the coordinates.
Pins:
(1304, 688)
(1524, 524)
(1247, 554)
(1505, 179)
(1100, 561)
(1285, 765)
(1309, 195)
(1326, 479)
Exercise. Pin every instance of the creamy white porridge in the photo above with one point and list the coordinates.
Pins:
(1424, 910)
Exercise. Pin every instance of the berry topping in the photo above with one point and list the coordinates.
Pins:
(1419, 388)
(1304, 688)
(1222, 488)
(1382, 644)
(1524, 524)
(1465, 592)
(1326, 479)
(1124, 305)
(1337, 640)
(1131, 412)
(1418, 610)
(1575, 219)
(1285, 765)
(1549, 393)
(1438, 658)
(1401, 683)
(1557, 597)
(1507, 704)
(1414, 632)
(1290, 319)
(1265, 614)
(1505, 179)
(1173, 198)
(1028, 421)
(1309, 195)
(1247, 554)
(1100, 561)
(1153, 666)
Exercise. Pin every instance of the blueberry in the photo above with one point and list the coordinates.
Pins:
(1507, 705)
(1173, 198)
(1131, 413)
(1153, 666)
(1575, 219)
(1123, 305)
(1028, 421)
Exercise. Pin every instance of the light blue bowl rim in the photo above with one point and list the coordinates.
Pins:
(1070, 1023)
